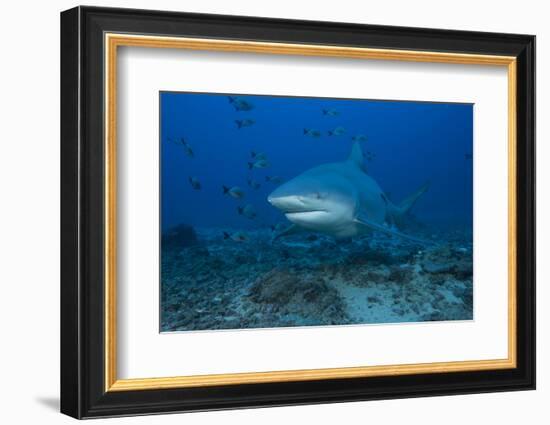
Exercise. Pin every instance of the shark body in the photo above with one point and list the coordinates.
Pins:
(341, 200)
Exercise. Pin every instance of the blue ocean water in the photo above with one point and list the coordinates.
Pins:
(207, 142)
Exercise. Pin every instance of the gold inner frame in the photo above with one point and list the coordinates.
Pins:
(113, 41)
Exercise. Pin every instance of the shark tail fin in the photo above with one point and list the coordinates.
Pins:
(406, 205)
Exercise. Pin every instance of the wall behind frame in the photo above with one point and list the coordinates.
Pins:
(29, 217)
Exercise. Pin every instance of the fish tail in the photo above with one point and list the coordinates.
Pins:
(239, 123)
(250, 165)
(240, 210)
(406, 205)
(232, 99)
(253, 154)
(226, 235)
(306, 130)
(225, 190)
(331, 133)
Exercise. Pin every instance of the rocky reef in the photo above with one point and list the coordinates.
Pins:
(181, 236)
(211, 282)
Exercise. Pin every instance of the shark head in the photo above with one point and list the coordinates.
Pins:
(341, 200)
(317, 200)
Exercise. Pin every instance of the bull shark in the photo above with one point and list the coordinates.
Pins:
(341, 200)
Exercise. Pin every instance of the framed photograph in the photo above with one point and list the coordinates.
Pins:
(261, 212)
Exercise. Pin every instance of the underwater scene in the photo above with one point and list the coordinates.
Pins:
(281, 211)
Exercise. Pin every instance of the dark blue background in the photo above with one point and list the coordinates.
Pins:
(413, 142)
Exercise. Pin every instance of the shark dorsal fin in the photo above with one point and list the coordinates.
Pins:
(356, 155)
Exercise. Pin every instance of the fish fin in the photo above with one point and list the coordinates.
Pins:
(239, 123)
(290, 230)
(364, 221)
(406, 205)
(306, 130)
(225, 189)
(356, 155)
(231, 99)
(226, 235)
(240, 210)
(250, 165)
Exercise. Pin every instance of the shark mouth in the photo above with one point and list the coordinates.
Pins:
(304, 214)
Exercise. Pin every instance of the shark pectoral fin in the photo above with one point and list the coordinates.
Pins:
(364, 221)
(290, 230)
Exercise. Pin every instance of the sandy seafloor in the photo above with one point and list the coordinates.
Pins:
(306, 280)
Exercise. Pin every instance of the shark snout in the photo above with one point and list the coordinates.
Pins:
(285, 200)
(296, 196)
(283, 203)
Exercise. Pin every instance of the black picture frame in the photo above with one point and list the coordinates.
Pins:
(83, 392)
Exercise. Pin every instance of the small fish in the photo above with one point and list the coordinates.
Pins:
(240, 104)
(312, 132)
(237, 236)
(189, 151)
(369, 156)
(338, 131)
(274, 179)
(187, 148)
(253, 184)
(261, 163)
(248, 211)
(258, 155)
(468, 156)
(235, 192)
(279, 227)
(244, 123)
(195, 183)
(359, 138)
(331, 112)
